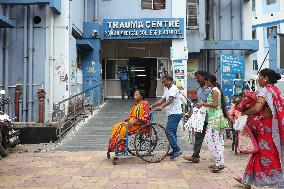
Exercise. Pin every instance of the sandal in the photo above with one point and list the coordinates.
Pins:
(239, 180)
(211, 166)
(216, 169)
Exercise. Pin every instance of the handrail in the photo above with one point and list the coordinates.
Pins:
(189, 105)
(187, 99)
(60, 102)
(73, 109)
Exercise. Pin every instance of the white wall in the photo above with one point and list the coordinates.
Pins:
(261, 31)
(61, 52)
(130, 9)
(179, 46)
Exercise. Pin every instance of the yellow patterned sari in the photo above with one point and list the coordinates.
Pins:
(140, 111)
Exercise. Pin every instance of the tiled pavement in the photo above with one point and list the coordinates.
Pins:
(80, 162)
(93, 170)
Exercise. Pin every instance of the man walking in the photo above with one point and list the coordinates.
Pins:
(172, 104)
(202, 94)
(123, 76)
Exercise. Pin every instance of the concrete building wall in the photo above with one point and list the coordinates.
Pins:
(130, 9)
(227, 21)
(77, 14)
(266, 16)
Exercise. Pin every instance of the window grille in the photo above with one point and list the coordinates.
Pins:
(271, 30)
(153, 4)
(192, 14)
(270, 2)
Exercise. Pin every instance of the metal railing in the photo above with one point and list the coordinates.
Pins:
(187, 106)
(73, 109)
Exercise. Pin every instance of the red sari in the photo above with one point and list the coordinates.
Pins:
(264, 168)
(140, 111)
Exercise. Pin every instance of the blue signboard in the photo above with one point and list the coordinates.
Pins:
(232, 70)
(145, 28)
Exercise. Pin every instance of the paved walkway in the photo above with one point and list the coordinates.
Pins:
(93, 170)
(80, 162)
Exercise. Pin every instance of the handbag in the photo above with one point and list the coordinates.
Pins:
(247, 143)
(240, 123)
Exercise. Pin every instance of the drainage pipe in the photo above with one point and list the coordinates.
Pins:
(6, 59)
(51, 64)
(96, 10)
(232, 23)
(85, 10)
(31, 36)
(24, 110)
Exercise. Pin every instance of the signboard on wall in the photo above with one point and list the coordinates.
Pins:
(180, 74)
(192, 85)
(146, 28)
(232, 69)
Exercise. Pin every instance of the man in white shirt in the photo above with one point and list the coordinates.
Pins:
(172, 104)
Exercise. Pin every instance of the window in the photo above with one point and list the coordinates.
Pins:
(270, 2)
(192, 14)
(271, 30)
(253, 34)
(253, 5)
(111, 68)
(153, 4)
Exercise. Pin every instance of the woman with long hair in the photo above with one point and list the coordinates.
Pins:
(265, 168)
(139, 114)
(216, 109)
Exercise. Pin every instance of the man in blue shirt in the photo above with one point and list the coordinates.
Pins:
(123, 76)
(202, 94)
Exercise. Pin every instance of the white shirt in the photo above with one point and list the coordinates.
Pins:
(175, 106)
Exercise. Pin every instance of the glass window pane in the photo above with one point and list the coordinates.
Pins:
(253, 5)
(270, 2)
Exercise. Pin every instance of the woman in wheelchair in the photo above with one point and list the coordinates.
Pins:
(139, 114)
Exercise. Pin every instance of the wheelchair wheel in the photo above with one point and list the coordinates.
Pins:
(151, 143)
(131, 149)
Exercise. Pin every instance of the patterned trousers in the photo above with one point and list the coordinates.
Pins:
(215, 143)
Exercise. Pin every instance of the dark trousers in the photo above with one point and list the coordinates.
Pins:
(199, 136)
(124, 88)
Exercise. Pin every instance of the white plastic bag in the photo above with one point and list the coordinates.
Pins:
(240, 123)
(196, 120)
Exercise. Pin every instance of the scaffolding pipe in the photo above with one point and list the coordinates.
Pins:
(24, 110)
(30, 98)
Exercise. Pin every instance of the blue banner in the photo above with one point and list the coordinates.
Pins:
(145, 28)
(232, 69)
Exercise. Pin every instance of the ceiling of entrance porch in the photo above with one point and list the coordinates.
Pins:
(136, 48)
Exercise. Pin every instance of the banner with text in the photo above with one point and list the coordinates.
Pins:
(170, 28)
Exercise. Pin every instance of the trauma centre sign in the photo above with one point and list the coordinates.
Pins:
(171, 28)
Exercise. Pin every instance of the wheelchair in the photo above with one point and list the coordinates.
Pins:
(150, 143)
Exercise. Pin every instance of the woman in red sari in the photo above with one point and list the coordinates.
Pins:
(140, 113)
(265, 168)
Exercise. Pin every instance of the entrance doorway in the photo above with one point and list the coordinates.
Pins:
(143, 75)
